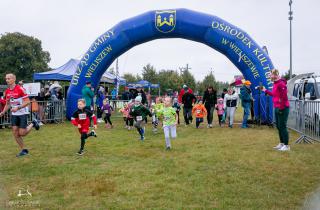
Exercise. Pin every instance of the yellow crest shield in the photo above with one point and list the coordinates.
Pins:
(165, 21)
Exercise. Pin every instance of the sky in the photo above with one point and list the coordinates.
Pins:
(67, 29)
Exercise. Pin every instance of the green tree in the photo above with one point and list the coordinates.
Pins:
(22, 55)
(149, 73)
(209, 80)
(129, 77)
(188, 79)
(169, 79)
(287, 75)
(138, 77)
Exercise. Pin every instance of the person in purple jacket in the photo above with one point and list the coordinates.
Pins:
(281, 105)
(107, 109)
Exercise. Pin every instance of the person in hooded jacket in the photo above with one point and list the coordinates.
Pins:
(246, 99)
(281, 105)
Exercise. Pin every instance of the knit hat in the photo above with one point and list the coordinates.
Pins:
(138, 99)
(247, 82)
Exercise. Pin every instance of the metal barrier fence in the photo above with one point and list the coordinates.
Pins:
(43, 111)
(304, 118)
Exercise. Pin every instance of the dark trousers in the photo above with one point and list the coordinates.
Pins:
(129, 122)
(281, 117)
(107, 119)
(210, 110)
(220, 119)
(187, 113)
(246, 113)
(178, 115)
(198, 121)
(83, 138)
(99, 112)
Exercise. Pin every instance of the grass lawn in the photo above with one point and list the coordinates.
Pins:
(217, 168)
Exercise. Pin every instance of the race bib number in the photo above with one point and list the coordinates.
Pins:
(106, 111)
(166, 118)
(198, 111)
(82, 116)
(139, 118)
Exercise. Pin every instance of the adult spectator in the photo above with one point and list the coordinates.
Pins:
(281, 105)
(41, 98)
(114, 98)
(88, 94)
(224, 92)
(188, 99)
(246, 98)
(99, 103)
(143, 95)
(59, 94)
(183, 91)
(125, 95)
(230, 104)
(134, 93)
(17, 100)
(210, 100)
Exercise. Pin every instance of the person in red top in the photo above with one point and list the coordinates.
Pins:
(281, 105)
(17, 101)
(182, 92)
(81, 118)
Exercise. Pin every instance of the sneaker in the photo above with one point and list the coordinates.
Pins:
(285, 148)
(81, 152)
(168, 148)
(35, 124)
(142, 138)
(279, 146)
(210, 125)
(23, 153)
(93, 133)
(230, 126)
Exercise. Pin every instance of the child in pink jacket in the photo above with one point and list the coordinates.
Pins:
(220, 110)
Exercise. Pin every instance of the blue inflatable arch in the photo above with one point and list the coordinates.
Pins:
(210, 30)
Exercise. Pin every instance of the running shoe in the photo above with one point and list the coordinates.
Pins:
(35, 124)
(23, 153)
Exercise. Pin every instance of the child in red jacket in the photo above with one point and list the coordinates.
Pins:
(81, 119)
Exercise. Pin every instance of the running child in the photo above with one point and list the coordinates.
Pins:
(130, 117)
(220, 110)
(170, 120)
(155, 109)
(124, 112)
(81, 119)
(140, 113)
(107, 109)
(177, 107)
(200, 112)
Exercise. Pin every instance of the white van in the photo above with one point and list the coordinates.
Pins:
(304, 87)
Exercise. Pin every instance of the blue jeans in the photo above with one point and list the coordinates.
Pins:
(246, 113)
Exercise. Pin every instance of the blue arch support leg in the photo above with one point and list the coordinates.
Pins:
(210, 30)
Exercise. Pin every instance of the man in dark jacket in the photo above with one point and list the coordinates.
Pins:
(246, 98)
(210, 100)
(188, 99)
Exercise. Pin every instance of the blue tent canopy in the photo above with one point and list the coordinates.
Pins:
(66, 71)
(62, 73)
(142, 84)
